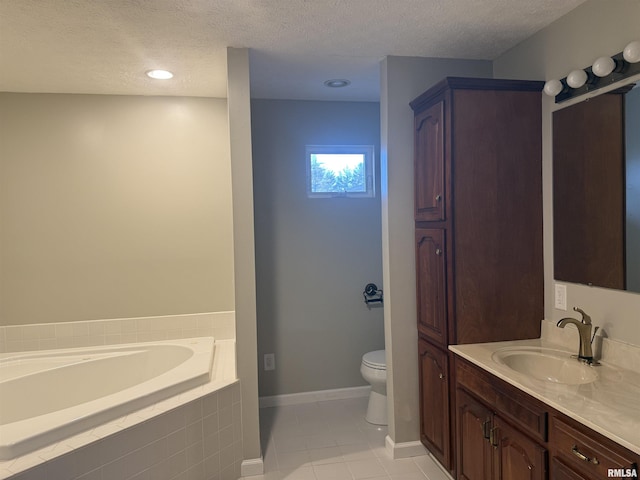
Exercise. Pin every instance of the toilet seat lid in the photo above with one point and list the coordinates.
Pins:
(375, 359)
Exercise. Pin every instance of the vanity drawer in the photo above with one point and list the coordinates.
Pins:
(587, 451)
(519, 408)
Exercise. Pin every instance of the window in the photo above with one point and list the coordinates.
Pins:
(340, 171)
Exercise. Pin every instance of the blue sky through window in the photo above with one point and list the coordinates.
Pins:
(337, 162)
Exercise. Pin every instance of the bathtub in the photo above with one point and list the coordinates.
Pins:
(49, 395)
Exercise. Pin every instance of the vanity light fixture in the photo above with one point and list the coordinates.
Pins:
(553, 87)
(631, 52)
(604, 71)
(577, 78)
(603, 66)
(159, 74)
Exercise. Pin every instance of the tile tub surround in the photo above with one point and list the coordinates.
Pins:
(191, 436)
(46, 336)
(608, 405)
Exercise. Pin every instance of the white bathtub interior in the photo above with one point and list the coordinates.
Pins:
(162, 429)
(50, 395)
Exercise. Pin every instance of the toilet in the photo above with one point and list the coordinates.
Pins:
(374, 371)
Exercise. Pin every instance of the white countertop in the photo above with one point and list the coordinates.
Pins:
(609, 405)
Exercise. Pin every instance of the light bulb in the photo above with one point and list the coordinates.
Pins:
(603, 66)
(160, 74)
(577, 78)
(553, 87)
(631, 52)
(337, 83)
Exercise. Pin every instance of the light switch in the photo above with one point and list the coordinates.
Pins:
(561, 297)
(269, 361)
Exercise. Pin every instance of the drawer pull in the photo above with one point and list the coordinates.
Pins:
(583, 457)
(438, 198)
(438, 251)
(441, 376)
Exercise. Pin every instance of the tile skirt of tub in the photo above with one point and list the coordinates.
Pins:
(46, 336)
(200, 439)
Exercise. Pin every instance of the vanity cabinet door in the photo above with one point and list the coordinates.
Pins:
(516, 456)
(431, 284)
(434, 401)
(429, 164)
(474, 422)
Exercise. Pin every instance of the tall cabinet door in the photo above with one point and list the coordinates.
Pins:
(434, 399)
(431, 284)
(429, 157)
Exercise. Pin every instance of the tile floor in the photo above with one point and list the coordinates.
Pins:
(330, 440)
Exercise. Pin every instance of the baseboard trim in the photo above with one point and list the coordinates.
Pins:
(444, 471)
(317, 396)
(404, 449)
(251, 467)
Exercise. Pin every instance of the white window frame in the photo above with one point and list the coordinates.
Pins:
(369, 168)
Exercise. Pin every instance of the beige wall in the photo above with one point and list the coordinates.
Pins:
(594, 29)
(113, 207)
(244, 266)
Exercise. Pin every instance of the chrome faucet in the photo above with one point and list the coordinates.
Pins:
(585, 353)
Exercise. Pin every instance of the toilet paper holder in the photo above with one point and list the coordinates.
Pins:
(372, 294)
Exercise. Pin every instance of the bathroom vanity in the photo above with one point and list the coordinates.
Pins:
(478, 231)
(535, 425)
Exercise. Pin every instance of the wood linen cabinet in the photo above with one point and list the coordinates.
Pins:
(478, 231)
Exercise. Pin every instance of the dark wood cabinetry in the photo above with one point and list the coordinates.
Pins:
(582, 452)
(517, 457)
(478, 179)
(474, 425)
(431, 284)
(478, 224)
(559, 471)
(479, 269)
(497, 443)
(434, 394)
(505, 434)
(429, 171)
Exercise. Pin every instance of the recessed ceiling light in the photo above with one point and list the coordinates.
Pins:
(160, 74)
(337, 83)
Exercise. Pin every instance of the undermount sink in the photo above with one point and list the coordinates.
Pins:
(547, 364)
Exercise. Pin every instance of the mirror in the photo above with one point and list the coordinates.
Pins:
(596, 191)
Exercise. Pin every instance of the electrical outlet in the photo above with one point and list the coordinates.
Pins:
(561, 297)
(269, 361)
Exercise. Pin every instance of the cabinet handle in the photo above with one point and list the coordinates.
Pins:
(438, 197)
(441, 376)
(583, 457)
(492, 437)
(438, 251)
(485, 428)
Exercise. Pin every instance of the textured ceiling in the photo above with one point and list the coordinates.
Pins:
(105, 46)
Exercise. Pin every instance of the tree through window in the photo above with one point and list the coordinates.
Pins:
(339, 170)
